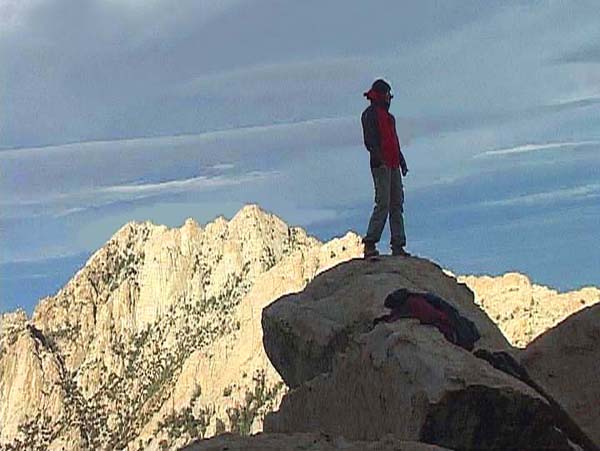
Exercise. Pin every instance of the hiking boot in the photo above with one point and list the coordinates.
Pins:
(370, 250)
(400, 252)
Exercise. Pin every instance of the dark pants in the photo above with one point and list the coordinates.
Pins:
(389, 200)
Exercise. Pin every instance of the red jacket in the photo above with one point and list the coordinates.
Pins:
(379, 132)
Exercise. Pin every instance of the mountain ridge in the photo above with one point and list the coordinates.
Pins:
(144, 308)
(157, 338)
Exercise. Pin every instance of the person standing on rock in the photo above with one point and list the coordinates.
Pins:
(387, 167)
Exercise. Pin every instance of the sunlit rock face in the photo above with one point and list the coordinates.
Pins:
(524, 310)
(157, 339)
(30, 377)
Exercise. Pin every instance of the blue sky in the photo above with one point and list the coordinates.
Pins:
(112, 111)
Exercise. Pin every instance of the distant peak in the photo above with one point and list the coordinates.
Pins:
(253, 216)
(251, 211)
(191, 223)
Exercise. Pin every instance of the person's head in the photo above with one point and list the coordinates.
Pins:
(380, 93)
(382, 86)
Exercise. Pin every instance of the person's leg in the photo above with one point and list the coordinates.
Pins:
(398, 238)
(381, 182)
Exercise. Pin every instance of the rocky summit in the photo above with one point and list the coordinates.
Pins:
(170, 336)
(360, 379)
(305, 331)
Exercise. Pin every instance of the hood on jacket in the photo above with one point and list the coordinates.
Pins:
(377, 98)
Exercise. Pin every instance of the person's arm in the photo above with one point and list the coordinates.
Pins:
(403, 164)
(371, 136)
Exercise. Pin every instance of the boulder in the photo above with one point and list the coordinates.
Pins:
(304, 331)
(564, 363)
(406, 379)
(352, 378)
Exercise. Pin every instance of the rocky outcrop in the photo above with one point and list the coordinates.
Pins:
(524, 310)
(304, 331)
(564, 362)
(304, 441)
(360, 381)
(31, 382)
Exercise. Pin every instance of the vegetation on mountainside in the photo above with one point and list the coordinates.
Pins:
(258, 401)
(121, 383)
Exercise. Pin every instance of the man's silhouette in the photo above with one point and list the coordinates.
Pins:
(381, 140)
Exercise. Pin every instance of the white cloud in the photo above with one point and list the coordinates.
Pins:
(581, 98)
(526, 148)
(76, 202)
(175, 186)
(68, 211)
(33, 175)
(223, 166)
(578, 193)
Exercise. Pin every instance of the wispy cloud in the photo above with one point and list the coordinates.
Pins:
(305, 129)
(572, 103)
(577, 193)
(591, 96)
(31, 175)
(69, 211)
(526, 148)
(223, 166)
(175, 186)
(75, 202)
